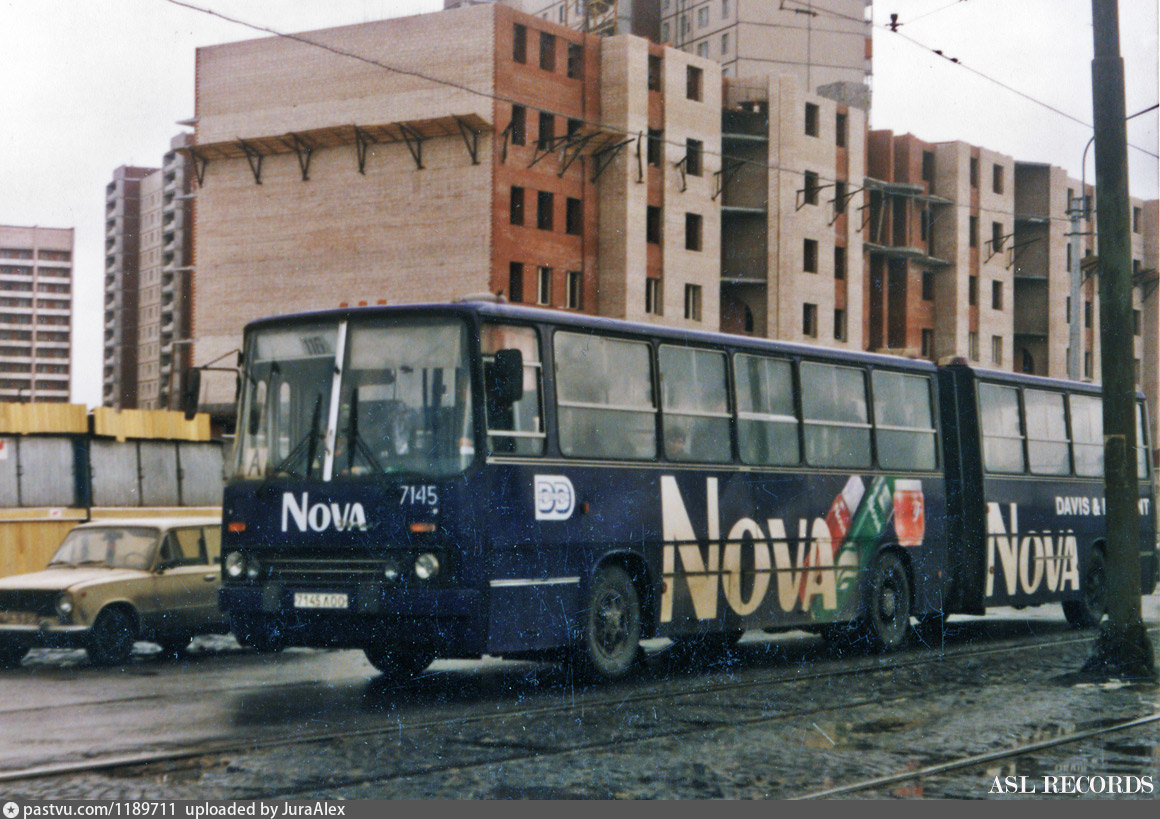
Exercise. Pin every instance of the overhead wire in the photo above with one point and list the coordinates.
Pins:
(299, 38)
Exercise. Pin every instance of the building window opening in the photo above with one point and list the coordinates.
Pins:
(517, 205)
(812, 113)
(693, 83)
(575, 60)
(652, 229)
(544, 285)
(693, 231)
(652, 296)
(544, 205)
(547, 51)
(520, 43)
(693, 153)
(547, 131)
(693, 302)
(810, 320)
(515, 282)
(810, 255)
(654, 72)
(519, 125)
(575, 294)
(574, 217)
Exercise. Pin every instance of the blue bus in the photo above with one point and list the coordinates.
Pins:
(476, 478)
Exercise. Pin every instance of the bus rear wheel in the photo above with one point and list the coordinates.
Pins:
(612, 627)
(398, 662)
(1093, 604)
(887, 617)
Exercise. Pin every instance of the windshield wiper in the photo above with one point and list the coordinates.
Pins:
(309, 443)
(355, 443)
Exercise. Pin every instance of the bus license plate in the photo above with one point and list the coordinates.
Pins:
(315, 600)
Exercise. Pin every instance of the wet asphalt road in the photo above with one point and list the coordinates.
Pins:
(779, 718)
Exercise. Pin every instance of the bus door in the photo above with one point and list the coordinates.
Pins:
(966, 510)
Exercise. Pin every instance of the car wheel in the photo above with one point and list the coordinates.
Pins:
(112, 637)
(12, 656)
(1093, 603)
(612, 626)
(887, 614)
(398, 662)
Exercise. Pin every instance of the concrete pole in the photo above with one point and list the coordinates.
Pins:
(1123, 648)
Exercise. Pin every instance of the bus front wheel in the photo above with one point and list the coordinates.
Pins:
(398, 662)
(612, 626)
(1093, 604)
(887, 620)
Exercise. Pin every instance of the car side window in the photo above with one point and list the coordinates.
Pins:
(171, 551)
(212, 538)
(193, 545)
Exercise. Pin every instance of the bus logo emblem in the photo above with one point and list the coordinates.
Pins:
(555, 497)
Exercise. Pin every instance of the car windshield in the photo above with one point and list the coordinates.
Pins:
(118, 547)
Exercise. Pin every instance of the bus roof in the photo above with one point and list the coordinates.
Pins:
(584, 322)
(1006, 377)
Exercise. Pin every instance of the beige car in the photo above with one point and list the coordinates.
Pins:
(113, 582)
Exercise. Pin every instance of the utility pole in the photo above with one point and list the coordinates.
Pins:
(1076, 210)
(1122, 648)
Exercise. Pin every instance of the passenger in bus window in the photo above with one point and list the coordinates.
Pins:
(677, 443)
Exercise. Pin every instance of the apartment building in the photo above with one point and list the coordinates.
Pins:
(939, 248)
(824, 44)
(122, 274)
(164, 300)
(540, 145)
(36, 265)
(148, 247)
(791, 227)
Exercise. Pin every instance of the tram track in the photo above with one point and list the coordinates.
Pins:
(976, 760)
(589, 703)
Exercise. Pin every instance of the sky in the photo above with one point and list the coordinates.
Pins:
(89, 85)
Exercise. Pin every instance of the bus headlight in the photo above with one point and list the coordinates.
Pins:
(234, 564)
(253, 569)
(391, 570)
(426, 566)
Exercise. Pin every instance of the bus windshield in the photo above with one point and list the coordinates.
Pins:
(405, 398)
(403, 403)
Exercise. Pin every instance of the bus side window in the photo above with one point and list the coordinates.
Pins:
(516, 428)
(604, 397)
(767, 427)
(904, 421)
(834, 410)
(1087, 434)
(1000, 428)
(694, 400)
(1046, 432)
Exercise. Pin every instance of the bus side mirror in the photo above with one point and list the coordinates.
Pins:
(505, 377)
(191, 393)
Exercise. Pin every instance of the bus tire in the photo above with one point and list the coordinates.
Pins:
(887, 615)
(259, 632)
(1093, 603)
(12, 656)
(612, 626)
(398, 662)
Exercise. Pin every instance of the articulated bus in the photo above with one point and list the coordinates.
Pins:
(479, 478)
